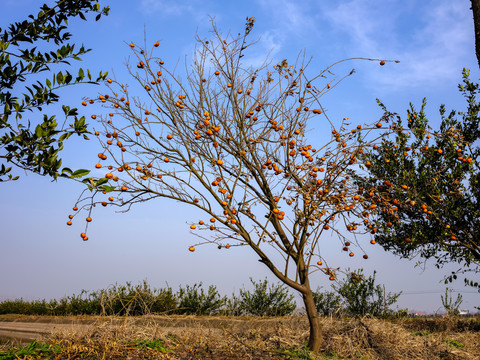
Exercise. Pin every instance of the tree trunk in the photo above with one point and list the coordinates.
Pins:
(476, 22)
(315, 339)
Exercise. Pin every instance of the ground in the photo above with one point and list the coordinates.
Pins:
(190, 337)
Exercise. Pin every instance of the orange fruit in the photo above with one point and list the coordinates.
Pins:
(169, 137)
(191, 248)
(156, 44)
(88, 219)
(193, 226)
(382, 63)
(319, 263)
(69, 223)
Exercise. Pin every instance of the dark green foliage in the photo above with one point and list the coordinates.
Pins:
(273, 300)
(438, 215)
(116, 300)
(34, 145)
(141, 299)
(327, 302)
(194, 300)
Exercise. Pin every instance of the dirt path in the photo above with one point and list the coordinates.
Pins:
(25, 329)
(27, 332)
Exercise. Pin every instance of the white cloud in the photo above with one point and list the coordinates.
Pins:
(269, 44)
(431, 39)
(292, 17)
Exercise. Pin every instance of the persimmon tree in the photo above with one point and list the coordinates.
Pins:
(34, 144)
(433, 179)
(232, 141)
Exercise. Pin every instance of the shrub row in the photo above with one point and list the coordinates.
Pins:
(354, 295)
(141, 299)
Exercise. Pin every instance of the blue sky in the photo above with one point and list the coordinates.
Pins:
(41, 257)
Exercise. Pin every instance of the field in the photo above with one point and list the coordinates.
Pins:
(209, 337)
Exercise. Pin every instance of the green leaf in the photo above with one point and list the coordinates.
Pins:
(64, 136)
(38, 131)
(60, 78)
(107, 188)
(80, 173)
(101, 181)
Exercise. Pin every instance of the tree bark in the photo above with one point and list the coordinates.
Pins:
(315, 339)
(476, 22)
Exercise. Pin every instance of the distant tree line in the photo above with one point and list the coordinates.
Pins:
(355, 295)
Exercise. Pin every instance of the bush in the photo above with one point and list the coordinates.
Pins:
(327, 302)
(355, 295)
(361, 296)
(194, 300)
(266, 301)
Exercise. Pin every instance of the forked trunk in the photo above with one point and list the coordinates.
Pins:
(315, 339)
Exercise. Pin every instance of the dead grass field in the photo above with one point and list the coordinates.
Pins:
(190, 337)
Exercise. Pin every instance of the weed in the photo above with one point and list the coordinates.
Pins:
(295, 352)
(454, 343)
(150, 344)
(420, 333)
(34, 349)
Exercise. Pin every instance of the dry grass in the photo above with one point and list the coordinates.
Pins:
(189, 337)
